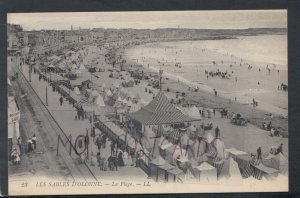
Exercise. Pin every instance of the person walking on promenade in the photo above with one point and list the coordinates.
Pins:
(86, 140)
(98, 142)
(29, 145)
(61, 100)
(214, 111)
(78, 114)
(98, 158)
(34, 139)
(20, 144)
(132, 155)
(104, 138)
(112, 148)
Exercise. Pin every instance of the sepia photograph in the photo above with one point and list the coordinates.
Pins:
(147, 102)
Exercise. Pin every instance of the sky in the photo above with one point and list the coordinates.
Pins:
(241, 19)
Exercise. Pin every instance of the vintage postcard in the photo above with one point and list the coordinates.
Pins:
(147, 102)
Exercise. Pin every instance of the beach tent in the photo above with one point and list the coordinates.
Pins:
(233, 152)
(260, 170)
(76, 90)
(207, 173)
(108, 93)
(191, 111)
(175, 174)
(143, 102)
(124, 101)
(234, 171)
(278, 162)
(99, 101)
(164, 169)
(220, 147)
(94, 93)
(185, 140)
(156, 173)
(149, 136)
(199, 149)
(119, 99)
(77, 72)
(194, 113)
(73, 67)
(81, 67)
(123, 92)
(62, 66)
(243, 161)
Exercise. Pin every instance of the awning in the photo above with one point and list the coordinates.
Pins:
(160, 111)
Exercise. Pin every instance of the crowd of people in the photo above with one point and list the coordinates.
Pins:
(223, 75)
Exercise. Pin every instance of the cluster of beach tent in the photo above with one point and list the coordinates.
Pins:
(200, 160)
(70, 61)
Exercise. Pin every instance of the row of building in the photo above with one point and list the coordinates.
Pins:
(46, 40)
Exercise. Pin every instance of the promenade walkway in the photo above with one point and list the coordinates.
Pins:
(65, 117)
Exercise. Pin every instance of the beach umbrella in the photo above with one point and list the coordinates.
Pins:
(220, 147)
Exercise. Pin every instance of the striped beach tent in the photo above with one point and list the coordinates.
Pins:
(218, 163)
(160, 111)
(256, 172)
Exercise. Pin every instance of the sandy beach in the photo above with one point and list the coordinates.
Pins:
(243, 84)
(243, 90)
(205, 98)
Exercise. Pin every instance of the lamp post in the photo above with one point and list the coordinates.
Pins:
(160, 77)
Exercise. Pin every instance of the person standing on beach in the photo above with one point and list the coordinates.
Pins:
(258, 153)
(61, 100)
(216, 93)
(214, 111)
